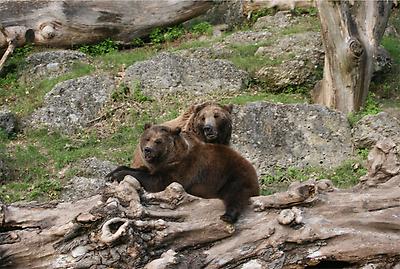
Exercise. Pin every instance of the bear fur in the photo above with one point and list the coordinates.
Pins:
(203, 169)
(209, 121)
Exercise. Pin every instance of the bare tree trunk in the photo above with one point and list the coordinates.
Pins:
(351, 32)
(311, 225)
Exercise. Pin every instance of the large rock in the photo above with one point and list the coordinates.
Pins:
(52, 63)
(8, 122)
(372, 128)
(277, 22)
(302, 55)
(71, 104)
(273, 135)
(170, 73)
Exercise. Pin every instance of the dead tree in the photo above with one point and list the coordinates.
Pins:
(311, 225)
(63, 23)
(351, 33)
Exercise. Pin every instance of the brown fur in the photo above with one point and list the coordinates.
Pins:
(203, 169)
(216, 118)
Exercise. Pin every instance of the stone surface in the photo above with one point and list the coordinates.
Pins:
(302, 55)
(82, 187)
(93, 167)
(71, 104)
(275, 22)
(52, 63)
(372, 128)
(170, 73)
(8, 122)
(273, 135)
(248, 37)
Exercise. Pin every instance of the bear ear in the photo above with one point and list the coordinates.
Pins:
(199, 107)
(228, 108)
(176, 131)
(147, 125)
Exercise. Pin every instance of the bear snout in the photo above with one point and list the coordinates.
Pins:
(210, 132)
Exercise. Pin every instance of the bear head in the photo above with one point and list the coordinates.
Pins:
(213, 123)
(157, 143)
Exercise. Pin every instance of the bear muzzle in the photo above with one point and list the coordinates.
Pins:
(210, 132)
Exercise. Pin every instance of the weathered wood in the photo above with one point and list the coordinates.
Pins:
(351, 32)
(125, 227)
(57, 23)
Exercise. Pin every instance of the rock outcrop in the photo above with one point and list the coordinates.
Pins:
(273, 135)
(170, 73)
(71, 104)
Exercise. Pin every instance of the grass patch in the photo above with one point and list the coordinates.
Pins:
(24, 97)
(304, 24)
(115, 61)
(343, 176)
(371, 107)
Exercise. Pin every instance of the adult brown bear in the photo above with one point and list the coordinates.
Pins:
(203, 169)
(209, 121)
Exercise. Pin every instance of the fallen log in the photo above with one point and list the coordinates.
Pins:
(56, 23)
(312, 225)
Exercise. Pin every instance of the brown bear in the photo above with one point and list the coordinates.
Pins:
(209, 121)
(203, 169)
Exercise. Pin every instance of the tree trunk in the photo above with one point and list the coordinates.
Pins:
(312, 225)
(57, 23)
(351, 33)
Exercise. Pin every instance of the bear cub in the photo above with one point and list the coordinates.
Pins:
(203, 169)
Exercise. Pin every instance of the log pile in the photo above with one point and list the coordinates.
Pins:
(311, 225)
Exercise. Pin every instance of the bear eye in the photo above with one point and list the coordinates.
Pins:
(216, 116)
(203, 118)
(147, 139)
(158, 141)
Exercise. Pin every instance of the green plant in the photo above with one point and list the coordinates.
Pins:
(138, 95)
(371, 107)
(172, 33)
(137, 42)
(104, 47)
(121, 93)
(157, 36)
(312, 11)
(202, 28)
(261, 13)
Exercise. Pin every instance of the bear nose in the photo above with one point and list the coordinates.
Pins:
(207, 128)
(147, 150)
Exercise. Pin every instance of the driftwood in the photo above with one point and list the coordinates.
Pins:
(64, 23)
(351, 33)
(255, 5)
(312, 225)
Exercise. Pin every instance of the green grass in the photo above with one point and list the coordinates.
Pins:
(371, 107)
(304, 24)
(114, 61)
(343, 176)
(24, 97)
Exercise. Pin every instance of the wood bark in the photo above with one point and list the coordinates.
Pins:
(312, 225)
(351, 33)
(57, 23)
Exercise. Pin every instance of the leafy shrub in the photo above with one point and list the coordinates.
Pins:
(137, 42)
(104, 47)
(202, 28)
(157, 36)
